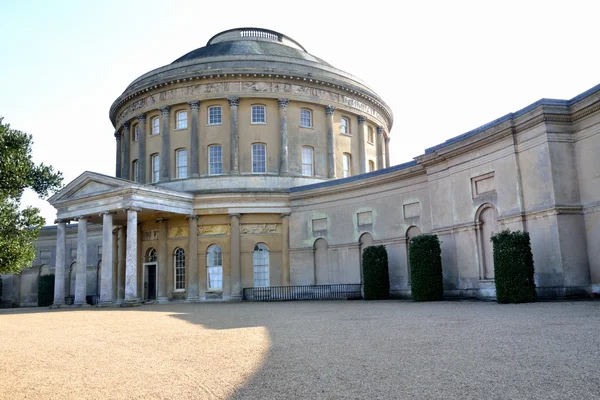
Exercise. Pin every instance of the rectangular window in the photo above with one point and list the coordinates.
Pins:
(306, 118)
(371, 137)
(135, 171)
(214, 115)
(215, 160)
(371, 166)
(155, 126)
(136, 133)
(215, 269)
(307, 161)
(346, 172)
(182, 167)
(179, 262)
(181, 120)
(345, 126)
(259, 158)
(259, 115)
(155, 162)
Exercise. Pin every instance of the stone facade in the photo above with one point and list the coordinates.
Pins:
(202, 228)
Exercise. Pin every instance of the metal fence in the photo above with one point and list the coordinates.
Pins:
(306, 292)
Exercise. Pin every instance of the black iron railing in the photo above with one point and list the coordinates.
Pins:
(306, 292)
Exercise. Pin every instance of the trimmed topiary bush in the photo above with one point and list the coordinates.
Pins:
(46, 290)
(513, 267)
(376, 276)
(426, 282)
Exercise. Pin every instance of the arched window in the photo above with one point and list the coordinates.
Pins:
(181, 120)
(181, 160)
(214, 267)
(261, 265)
(215, 115)
(155, 126)
(135, 171)
(306, 118)
(151, 255)
(259, 114)
(371, 166)
(259, 158)
(346, 165)
(179, 264)
(307, 161)
(488, 225)
(345, 126)
(215, 160)
(155, 163)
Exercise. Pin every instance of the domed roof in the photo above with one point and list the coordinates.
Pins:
(250, 41)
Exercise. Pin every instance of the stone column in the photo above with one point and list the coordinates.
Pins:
(81, 274)
(387, 152)
(125, 159)
(330, 142)
(285, 249)
(106, 280)
(361, 144)
(194, 159)
(142, 149)
(236, 266)
(192, 261)
(163, 266)
(59, 271)
(121, 265)
(118, 157)
(234, 145)
(115, 262)
(379, 147)
(165, 154)
(284, 168)
(131, 261)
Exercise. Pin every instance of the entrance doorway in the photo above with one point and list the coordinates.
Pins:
(150, 281)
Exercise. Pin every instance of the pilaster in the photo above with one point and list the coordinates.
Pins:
(379, 147)
(236, 267)
(284, 157)
(141, 149)
(126, 140)
(329, 110)
(118, 157)
(234, 146)
(194, 160)
(361, 144)
(165, 154)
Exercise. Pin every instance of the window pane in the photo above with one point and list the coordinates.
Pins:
(307, 161)
(214, 115)
(259, 158)
(136, 133)
(346, 165)
(261, 265)
(182, 120)
(215, 165)
(155, 167)
(344, 126)
(258, 114)
(214, 265)
(135, 171)
(179, 269)
(181, 156)
(305, 118)
(155, 126)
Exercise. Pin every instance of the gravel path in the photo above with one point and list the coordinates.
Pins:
(304, 350)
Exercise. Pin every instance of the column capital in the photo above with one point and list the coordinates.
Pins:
(234, 215)
(62, 221)
(141, 118)
(117, 135)
(192, 216)
(136, 209)
(387, 139)
(194, 105)
(283, 102)
(361, 119)
(380, 130)
(165, 111)
(160, 219)
(107, 213)
(126, 125)
(329, 110)
(233, 101)
(283, 215)
(82, 217)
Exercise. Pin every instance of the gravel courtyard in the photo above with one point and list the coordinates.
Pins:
(304, 350)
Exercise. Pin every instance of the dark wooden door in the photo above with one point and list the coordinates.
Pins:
(151, 282)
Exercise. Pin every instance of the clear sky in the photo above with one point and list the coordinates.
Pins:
(444, 67)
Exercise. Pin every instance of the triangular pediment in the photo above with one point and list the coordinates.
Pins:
(89, 184)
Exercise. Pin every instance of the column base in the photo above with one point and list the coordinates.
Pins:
(192, 299)
(80, 305)
(103, 304)
(235, 297)
(58, 305)
(162, 300)
(131, 303)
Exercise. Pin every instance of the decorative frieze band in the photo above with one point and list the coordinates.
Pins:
(259, 229)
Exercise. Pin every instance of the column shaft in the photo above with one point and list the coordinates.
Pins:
(81, 274)
(379, 147)
(234, 146)
(106, 279)
(194, 159)
(165, 154)
(162, 261)
(141, 149)
(121, 264)
(361, 144)
(285, 249)
(59, 266)
(125, 159)
(330, 142)
(131, 260)
(387, 152)
(283, 133)
(236, 268)
(118, 157)
(115, 263)
(192, 262)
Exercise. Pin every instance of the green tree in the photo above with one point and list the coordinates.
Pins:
(19, 227)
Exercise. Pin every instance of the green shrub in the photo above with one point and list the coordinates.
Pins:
(376, 276)
(513, 267)
(46, 290)
(426, 282)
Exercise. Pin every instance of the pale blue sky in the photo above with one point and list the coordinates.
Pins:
(443, 67)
